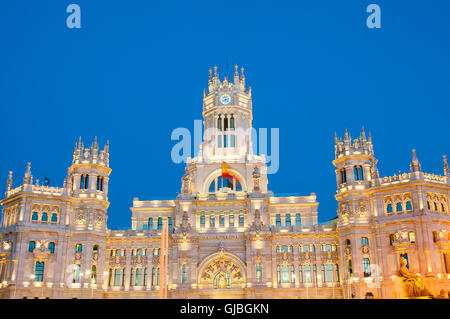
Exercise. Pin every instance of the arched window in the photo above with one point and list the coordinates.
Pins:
(44, 217)
(399, 207)
(298, 221)
(284, 249)
(358, 171)
(232, 122)
(222, 219)
(225, 181)
(170, 223)
(322, 268)
(348, 243)
(364, 241)
(315, 273)
(329, 273)
(93, 274)
(443, 208)
(336, 273)
(139, 252)
(78, 248)
(150, 223)
(278, 220)
(39, 271)
(145, 277)
(428, 205)
(76, 273)
(219, 122)
(292, 274)
(405, 255)
(306, 248)
(225, 122)
(436, 207)
(86, 182)
(300, 274)
(328, 247)
(307, 271)
(408, 205)
(389, 208)
(160, 222)
(366, 267)
(51, 247)
(343, 176)
(118, 252)
(138, 277)
(285, 274)
(35, 216)
(31, 246)
(131, 277)
(82, 182)
(54, 218)
(212, 186)
(288, 219)
(117, 277)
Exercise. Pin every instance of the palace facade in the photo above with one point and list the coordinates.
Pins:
(229, 236)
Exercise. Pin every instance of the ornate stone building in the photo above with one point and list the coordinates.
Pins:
(229, 236)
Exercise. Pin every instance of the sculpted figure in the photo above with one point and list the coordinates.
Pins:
(413, 284)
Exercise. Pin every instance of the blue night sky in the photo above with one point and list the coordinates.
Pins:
(136, 70)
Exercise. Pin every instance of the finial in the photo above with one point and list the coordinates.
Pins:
(415, 164)
(446, 168)
(9, 183)
(215, 70)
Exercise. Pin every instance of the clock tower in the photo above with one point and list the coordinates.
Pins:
(226, 162)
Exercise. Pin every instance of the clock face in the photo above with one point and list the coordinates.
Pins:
(225, 99)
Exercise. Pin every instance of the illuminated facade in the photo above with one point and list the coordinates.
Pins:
(229, 236)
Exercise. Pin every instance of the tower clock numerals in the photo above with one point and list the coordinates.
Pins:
(225, 99)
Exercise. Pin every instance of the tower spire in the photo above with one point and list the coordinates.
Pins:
(415, 164)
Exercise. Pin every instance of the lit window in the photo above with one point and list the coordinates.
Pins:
(184, 274)
(278, 220)
(258, 272)
(389, 208)
(39, 271)
(412, 237)
(288, 219)
(408, 206)
(298, 220)
(78, 248)
(31, 246)
(364, 241)
(366, 267)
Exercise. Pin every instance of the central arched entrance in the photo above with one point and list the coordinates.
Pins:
(221, 275)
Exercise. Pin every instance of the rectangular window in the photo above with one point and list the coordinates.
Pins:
(278, 220)
(288, 219)
(412, 237)
(222, 220)
(212, 221)
(232, 220)
(232, 140)
(241, 219)
(298, 221)
(202, 219)
(219, 141)
(329, 272)
(258, 273)
(300, 274)
(39, 271)
(285, 274)
(225, 141)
